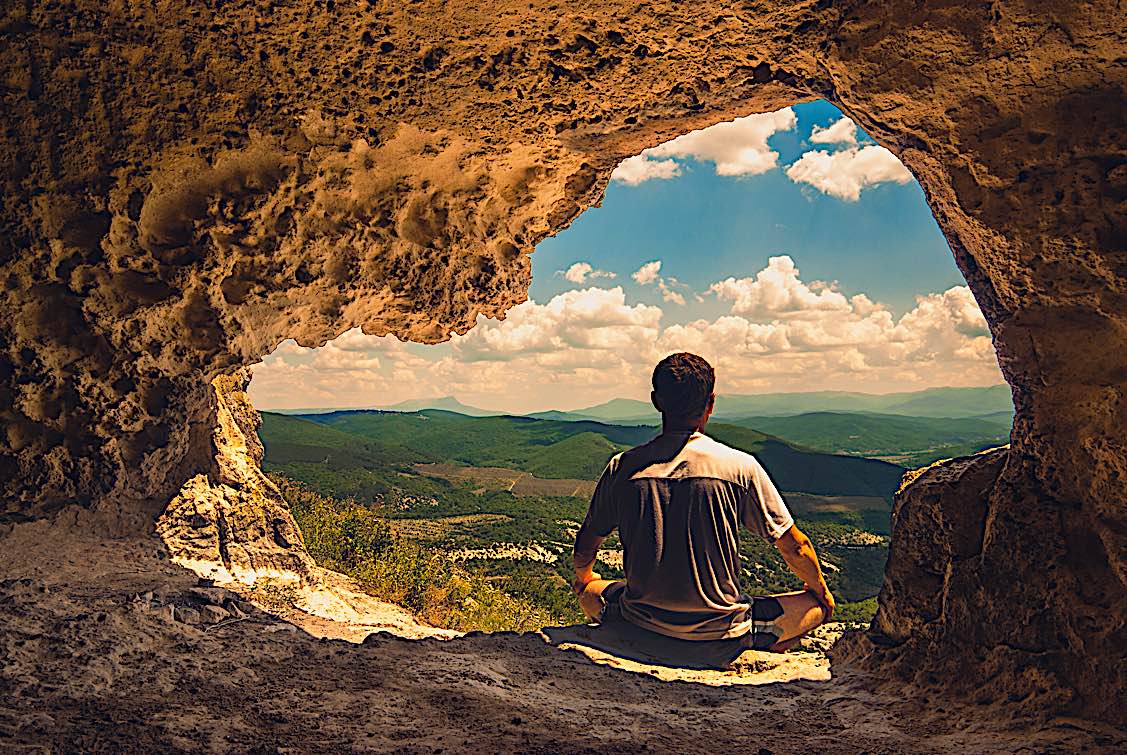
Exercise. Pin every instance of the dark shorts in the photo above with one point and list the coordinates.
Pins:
(762, 636)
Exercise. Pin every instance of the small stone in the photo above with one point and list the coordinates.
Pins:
(187, 615)
(214, 614)
(164, 593)
(213, 595)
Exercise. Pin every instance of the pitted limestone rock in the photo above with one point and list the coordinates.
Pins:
(183, 190)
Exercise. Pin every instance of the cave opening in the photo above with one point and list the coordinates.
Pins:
(789, 248)
(164, 229)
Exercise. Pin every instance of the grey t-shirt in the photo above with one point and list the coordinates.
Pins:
(678, 503)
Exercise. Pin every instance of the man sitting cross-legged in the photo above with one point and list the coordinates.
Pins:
(678, 503)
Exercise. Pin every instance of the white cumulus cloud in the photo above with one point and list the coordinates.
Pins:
(776, 290)
(846, 173)
(841, 131)
(647, 273)
(737, 148)
(588, 345)
(669, 294)
(641, 168)
(581, 272)
(597, 319)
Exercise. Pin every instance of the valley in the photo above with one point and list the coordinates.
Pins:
(490, 503)
(485, 506)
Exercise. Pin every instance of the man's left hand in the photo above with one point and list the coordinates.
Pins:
(579, 584)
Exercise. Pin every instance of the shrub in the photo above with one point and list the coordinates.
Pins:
(347, 537)
(275, 596)
(857, 614)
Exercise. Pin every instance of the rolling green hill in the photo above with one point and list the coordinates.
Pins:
(586, 454)
(882, 434)
(561, 449)
(516, 442)
(806, 471)
(333, 462)
(287, 438)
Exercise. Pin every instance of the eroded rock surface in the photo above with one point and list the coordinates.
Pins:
(230, 523)
(89, 661)
(186, 187)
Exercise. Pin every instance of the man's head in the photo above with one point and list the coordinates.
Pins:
(683, 390)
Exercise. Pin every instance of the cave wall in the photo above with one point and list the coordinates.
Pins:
(186, 185)
(229, 522)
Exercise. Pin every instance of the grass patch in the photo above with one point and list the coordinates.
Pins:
(347, 537)
(858, 614)
(274, 596)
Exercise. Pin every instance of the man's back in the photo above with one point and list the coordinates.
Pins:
(678, 503)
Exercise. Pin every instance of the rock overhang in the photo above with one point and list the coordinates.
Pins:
(185, 190)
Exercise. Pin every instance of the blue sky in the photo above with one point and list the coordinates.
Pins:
(787, 248)
(705, 227)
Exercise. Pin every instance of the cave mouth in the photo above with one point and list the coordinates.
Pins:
(182, 223)
(700, 244)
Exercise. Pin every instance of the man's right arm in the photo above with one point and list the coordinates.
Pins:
(797, 550)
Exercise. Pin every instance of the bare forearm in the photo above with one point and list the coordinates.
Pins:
(797, 550)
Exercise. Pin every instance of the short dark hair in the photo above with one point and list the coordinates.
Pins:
(684, 383)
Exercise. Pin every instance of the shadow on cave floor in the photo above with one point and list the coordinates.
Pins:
(82, 667)
(623, 646)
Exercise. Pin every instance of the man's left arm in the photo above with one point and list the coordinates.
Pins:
(586, 551)
(597, 525)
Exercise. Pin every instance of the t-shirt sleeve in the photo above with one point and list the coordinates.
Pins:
(601, 519)
(602, 514)
(764, 510)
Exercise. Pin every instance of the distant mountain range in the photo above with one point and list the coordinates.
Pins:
(990, 402)
(931, 402)
(444, 403)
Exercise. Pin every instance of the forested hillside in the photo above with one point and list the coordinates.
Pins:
(548, 448)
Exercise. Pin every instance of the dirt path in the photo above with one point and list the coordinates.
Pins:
(84, 667)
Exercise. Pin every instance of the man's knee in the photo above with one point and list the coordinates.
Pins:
(766, 609)
(591, 601)
(595, 595)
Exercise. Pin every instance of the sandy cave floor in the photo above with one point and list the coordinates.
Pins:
(86, 665)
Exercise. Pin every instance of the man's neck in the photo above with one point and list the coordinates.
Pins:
(669, 426)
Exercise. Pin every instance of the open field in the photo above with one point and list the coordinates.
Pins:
(442, 527)
(513, 480)
(805, 503)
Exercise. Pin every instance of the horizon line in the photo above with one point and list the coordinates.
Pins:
(616, 398)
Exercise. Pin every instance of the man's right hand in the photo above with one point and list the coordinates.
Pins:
(824, 597)
(797, 550)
